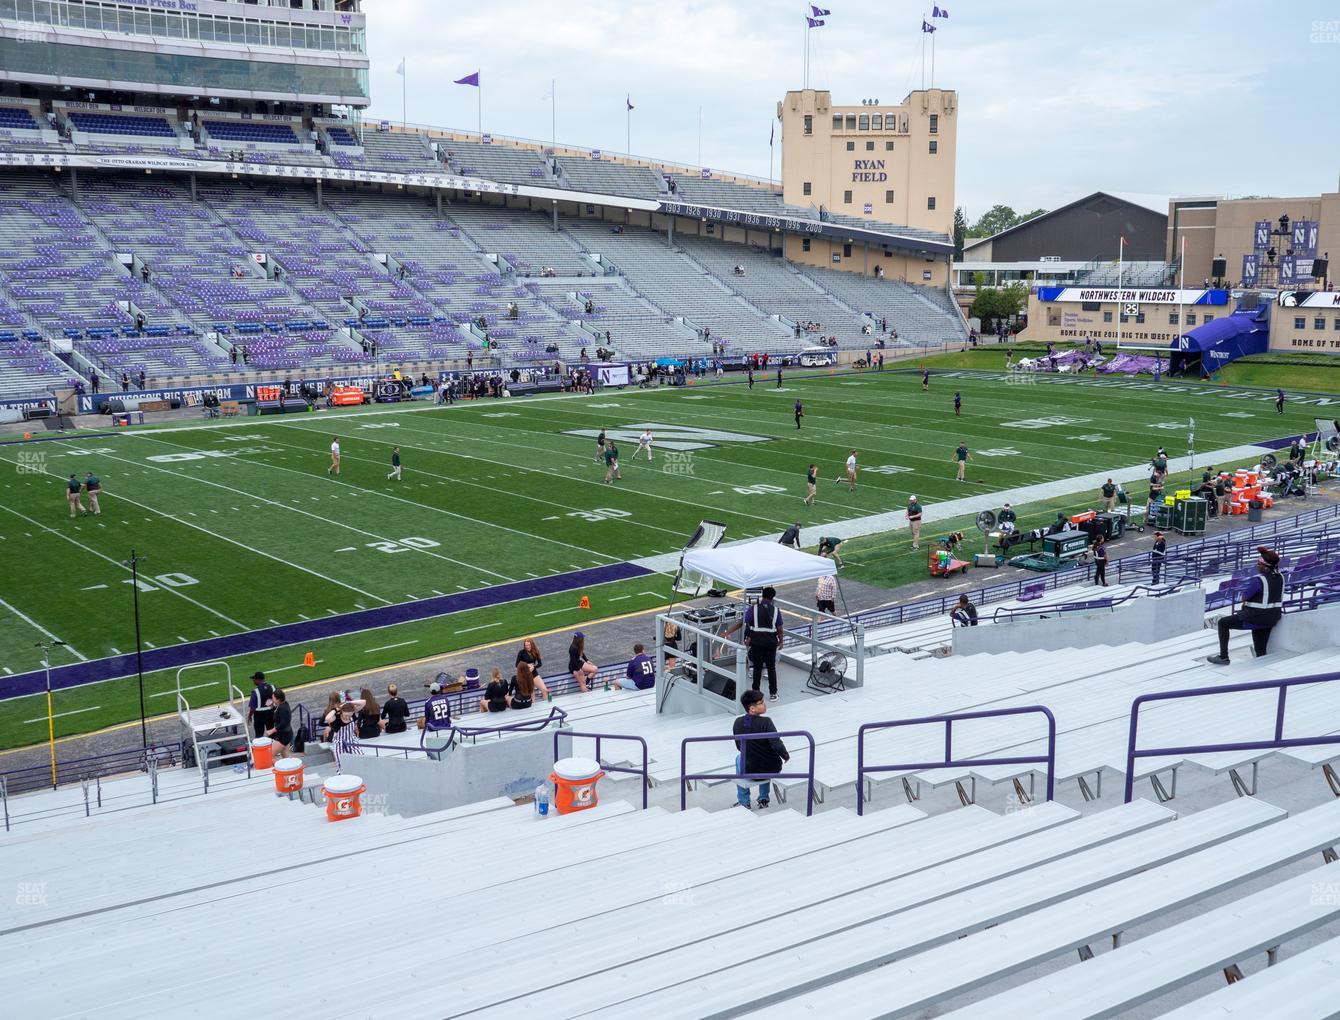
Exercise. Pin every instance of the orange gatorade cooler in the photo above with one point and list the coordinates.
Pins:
(288, 775)
(262, 753)
(343, 797)
(574, 782)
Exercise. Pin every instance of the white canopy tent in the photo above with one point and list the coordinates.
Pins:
(757, 564)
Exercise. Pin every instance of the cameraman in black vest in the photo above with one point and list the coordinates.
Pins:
(1262, 607)
(763, 636)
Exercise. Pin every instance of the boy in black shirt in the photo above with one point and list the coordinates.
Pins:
(763, 756)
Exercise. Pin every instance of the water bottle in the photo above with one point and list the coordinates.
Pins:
(542, 800)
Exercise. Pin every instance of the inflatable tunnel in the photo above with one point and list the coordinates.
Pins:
(1208, 348)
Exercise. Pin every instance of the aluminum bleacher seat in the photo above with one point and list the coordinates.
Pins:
(250, 132)
(122, 124)
(605, 178)
(494, 162)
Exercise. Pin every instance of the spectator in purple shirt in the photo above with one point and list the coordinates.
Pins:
(640, 674)
(436, 710)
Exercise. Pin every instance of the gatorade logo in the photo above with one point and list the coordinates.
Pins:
(343, 805)
(291, 781)
(582, 795)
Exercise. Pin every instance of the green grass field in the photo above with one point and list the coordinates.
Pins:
(241, 528)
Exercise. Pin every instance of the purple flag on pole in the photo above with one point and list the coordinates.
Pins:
(814, 22)
(819, 12)
(926, 26)
(939, 12)
(629, 100)
(469, 79)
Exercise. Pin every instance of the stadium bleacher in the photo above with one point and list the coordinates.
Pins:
(603, 178)
(249, 132)
(122, 124)
(203, 279)
(17, 118)
(495, 162)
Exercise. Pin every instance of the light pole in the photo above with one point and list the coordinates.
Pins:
(46, 647)
(134, 564)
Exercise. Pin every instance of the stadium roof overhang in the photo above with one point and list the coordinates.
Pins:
(813, 228)
(167, 163)
(187, 164)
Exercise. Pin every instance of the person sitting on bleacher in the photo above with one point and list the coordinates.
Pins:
(496, 698)
(437, 709)
(581, 668)
(1262, 607)
(964, 614)
(521, 688)
(369, 715)
(640, 675)
(395, 710)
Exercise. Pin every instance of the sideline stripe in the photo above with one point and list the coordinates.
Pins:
(83, 673)
(346, 678)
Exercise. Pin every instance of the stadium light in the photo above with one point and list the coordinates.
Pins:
(134, 564)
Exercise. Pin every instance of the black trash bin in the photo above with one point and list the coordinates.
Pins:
(1254, 511)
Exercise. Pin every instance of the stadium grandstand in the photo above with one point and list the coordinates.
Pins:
(322, 425)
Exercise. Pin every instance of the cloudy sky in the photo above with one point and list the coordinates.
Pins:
(1056, 100)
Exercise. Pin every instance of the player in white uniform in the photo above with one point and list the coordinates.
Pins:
(334, 457)
(851, 473)
(643, 443)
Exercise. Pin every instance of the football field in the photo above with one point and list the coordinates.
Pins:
(240, 527)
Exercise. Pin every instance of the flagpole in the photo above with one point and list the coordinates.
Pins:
(923, 51)
(1121, 251)
(479, 101)
(932, 60)
(806, 78)
(700, 138)
(627, 125)
(553, 113)
(404, 93)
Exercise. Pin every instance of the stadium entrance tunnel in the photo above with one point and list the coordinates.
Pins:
(1211, 346)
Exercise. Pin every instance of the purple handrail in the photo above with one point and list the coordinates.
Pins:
(1011, 612)
(1049, 759)
(1277, 741)
(644, 771)
(556, 714)
(685, 778)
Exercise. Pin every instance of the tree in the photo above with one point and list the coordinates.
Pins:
(960, 232)
(1032, 215)
(994, 220)
(996, 304)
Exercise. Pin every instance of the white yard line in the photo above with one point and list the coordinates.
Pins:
(304, 513)
(387, 648)
(170, 590)
(296, 665)
(196, 687)
(37, 626)
(57, 715)
(482, 626)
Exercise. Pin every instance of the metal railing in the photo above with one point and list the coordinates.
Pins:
(644, 771)
(685, 778)
(1059, 608)
(1277, 741)
(38, 777)
(1048, 759)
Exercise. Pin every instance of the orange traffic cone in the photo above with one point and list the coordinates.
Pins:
(585, 603)
(27, 435)
(309, 659)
